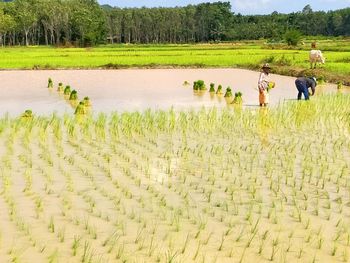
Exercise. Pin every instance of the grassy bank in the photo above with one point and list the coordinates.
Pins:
(230, 186)
(244, 55)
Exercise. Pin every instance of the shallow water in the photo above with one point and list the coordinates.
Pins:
(133, 89)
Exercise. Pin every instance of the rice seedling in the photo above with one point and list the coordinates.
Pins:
(51, 225)
(238, 98)
(228, 93)
(345, 255)
(242, 255)
(170, 256)
(87, 102)
(73, 96)
(334, 249)
(120, 252)
(50, 83)
(196, 251)
(60, 87)
(139, 235)
(212, 88)
(320, 242)
(75, 245)
(240, 234)
(67, 90)
(199, 85)
(28, 114)
(87, 253)
(53, 257)
(275, 243)
(100, 177)
(261, 247)
(219, 90)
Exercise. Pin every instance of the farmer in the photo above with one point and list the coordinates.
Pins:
(263, 85)
(303, 84)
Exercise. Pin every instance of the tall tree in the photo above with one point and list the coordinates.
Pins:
(85, 22)
(7, 23)
(26, 16)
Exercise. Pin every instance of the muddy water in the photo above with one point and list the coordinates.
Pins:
(134, 89)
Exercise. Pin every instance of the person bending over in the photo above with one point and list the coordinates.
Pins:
(303, 84)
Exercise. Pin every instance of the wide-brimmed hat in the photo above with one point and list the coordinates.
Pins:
(266, 65)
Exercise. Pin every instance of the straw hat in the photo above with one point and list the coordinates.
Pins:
(266, 65)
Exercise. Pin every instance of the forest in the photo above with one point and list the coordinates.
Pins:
(86, 23)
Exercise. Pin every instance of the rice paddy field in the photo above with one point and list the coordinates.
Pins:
(145, 178)
(209, 185)
(240, 54)
(138, 89)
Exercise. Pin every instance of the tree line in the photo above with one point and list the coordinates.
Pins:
(85, 22)
(52, 22)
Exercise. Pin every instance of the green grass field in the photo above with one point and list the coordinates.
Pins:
(243, 54)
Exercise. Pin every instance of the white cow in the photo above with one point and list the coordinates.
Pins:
(316, 56)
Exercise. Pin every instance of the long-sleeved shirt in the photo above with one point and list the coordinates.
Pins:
(309, 82)
(263, 82)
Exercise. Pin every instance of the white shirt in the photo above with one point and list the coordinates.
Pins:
(263, 82)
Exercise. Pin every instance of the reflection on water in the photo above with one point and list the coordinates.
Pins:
(134, 89)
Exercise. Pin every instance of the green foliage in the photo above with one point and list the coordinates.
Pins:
(228, 93)
(271, 86)
(25, 16)
(292, 37)
(50, 83)
(339, 85)
(212, 88)
(7, 23)
(238, 98)
(287, 61)
(199, 85)
(87, 102)
(321, 80)
(27, 114)
(86, 23)
(219, 90)
(81, 22)
(80, 109)
(73, 95)
(67, 90)
(60, 87)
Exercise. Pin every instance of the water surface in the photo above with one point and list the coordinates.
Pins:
(133, 89)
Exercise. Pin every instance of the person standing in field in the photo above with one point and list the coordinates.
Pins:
(263, 85)
(303, 84)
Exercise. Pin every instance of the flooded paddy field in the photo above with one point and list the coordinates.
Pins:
(134, 89)
(211, 185)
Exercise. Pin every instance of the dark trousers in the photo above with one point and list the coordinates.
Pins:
(302, 89)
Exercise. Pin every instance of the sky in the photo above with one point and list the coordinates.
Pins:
(241, 6)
